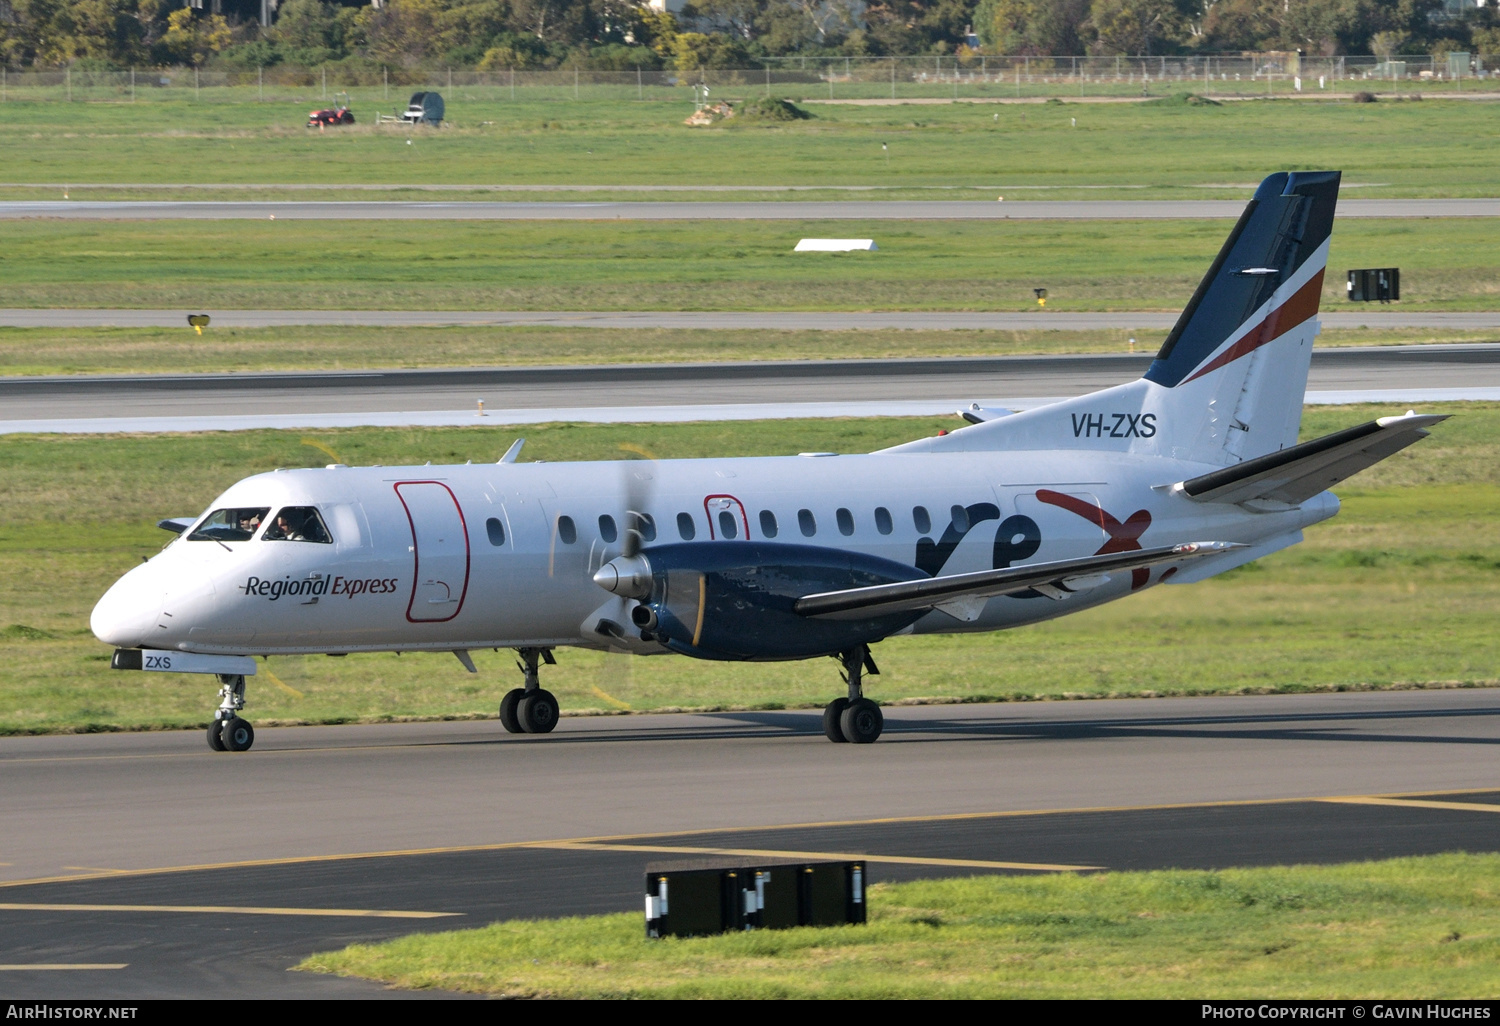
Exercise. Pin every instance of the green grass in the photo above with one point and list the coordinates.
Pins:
(1404, 928)
(1447, 264)
(1433, 148)
(25, 351)
(1400, 590)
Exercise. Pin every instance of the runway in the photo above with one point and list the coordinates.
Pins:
(122, 849)
(710, 210)
(727, 320)
(635, 392)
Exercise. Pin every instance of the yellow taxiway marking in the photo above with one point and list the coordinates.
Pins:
(955, 817)
(283, 685)
(246, 910)
(53, 966)
(611, 699)
(101, 870)
(762, 853)
(1414, 803)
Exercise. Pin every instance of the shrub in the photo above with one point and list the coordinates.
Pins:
(1182, 100)
(769, 108)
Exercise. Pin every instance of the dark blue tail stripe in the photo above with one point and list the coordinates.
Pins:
(1289, 218)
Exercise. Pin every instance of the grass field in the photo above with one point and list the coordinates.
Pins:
(1401, 589)
(1432, 148)
(1446, 264)
(1405, 928)
(26, 351)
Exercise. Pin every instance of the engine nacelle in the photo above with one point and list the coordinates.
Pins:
(733, 599)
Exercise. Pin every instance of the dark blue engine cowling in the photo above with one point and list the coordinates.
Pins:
(733, 599)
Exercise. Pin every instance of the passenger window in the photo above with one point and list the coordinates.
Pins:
(921, 520)
(767, 523)
(566, 530)
(297, 523)
(607, 529)
(727, 527)
(644, 524)
(496, 530)
(883, 520)
(846, 521)
(685, 527)
(960, 519)
(807, 523)
(230, 524)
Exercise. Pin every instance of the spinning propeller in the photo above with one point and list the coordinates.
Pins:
(629, 574)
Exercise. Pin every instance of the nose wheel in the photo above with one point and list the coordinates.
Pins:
(531, 709)
(228, 732)
(855, 719)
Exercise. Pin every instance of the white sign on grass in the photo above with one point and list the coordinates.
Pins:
(834, 245)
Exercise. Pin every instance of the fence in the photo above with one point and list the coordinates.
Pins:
(975, 77)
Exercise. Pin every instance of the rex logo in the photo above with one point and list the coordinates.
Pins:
(1123, 536)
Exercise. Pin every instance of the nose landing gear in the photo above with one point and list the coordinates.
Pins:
(531, 709)
(855, 719)
(227, 732)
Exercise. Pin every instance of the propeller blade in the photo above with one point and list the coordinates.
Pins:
(635, 490)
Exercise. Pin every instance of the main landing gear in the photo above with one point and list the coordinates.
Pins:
(227, 732)
(531, 709)
(855, 719)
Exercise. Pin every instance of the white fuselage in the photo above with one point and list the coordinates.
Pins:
(416, 562)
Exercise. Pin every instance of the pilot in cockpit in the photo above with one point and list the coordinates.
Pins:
(297, 523)
(288, 527)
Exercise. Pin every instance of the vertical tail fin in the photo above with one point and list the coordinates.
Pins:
(1229, 381)
(1237, 359)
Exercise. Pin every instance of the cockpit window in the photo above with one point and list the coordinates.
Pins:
(297, 523)
(225, 525)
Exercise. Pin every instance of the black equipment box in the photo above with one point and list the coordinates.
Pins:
(707, 896)
(1375, 283)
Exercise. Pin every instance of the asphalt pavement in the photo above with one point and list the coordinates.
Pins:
(686, 391)
(209, 874)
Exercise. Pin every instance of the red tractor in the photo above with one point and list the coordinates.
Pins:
(338, 114)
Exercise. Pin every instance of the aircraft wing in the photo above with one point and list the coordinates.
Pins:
(1297, 473)
(965, 593)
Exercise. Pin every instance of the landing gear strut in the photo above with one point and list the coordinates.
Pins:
(227, 732)
(531, 709)
(854, 719)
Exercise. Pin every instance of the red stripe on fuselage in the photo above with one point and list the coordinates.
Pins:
(1302, 305)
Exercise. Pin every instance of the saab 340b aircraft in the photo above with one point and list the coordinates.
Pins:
(1021, 517)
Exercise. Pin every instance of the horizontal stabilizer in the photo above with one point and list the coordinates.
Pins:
(1297, 473)
(977, 414)
(956, 590)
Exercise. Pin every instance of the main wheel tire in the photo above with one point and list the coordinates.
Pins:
(509, 717)
(215, 728)
(833, 712)
(862, 722)
(538, 712)
(237, 735)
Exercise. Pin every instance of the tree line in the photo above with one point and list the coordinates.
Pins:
(627, 34)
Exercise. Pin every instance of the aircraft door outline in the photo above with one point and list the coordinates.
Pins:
(436, 518)
(716, 506)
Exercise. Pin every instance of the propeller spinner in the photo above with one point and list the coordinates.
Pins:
(629, 574)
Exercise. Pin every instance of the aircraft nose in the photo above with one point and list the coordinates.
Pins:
(124, 616)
